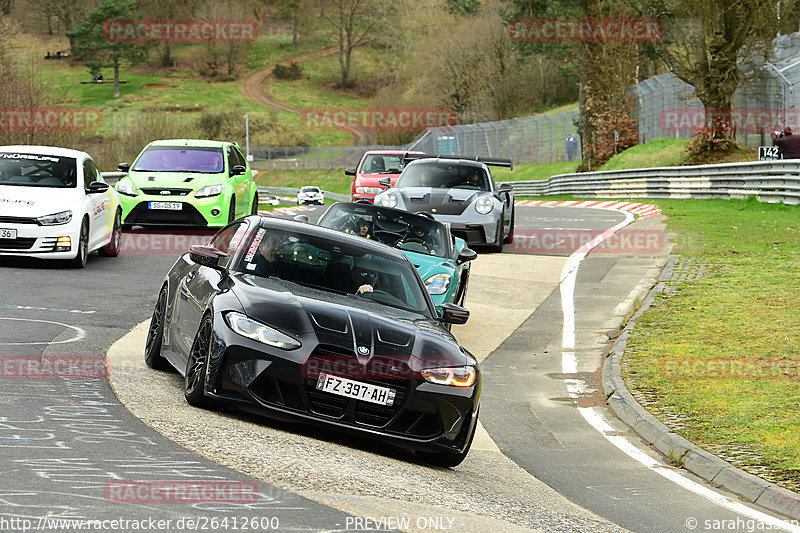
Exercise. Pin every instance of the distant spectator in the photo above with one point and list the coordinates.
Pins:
(572, 147)
(48, 55)
(788, 144)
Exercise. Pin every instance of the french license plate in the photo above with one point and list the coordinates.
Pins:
(171, 206)
(355, 389)
(8, 233)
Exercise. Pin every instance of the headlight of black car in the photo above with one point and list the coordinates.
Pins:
(462, 376)
(252, 329)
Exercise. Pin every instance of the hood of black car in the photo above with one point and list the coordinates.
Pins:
(438, 201)
(337, 329)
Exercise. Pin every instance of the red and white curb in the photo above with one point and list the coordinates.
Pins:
(638, 209)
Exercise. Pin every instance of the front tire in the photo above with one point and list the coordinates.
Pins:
(197, 366)
(498, 239)
(155, 334)
(232, 210)
(254, 209)
(510, 238)
(112, 248)
(83, 247)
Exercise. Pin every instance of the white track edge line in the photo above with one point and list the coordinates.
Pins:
(569, 365)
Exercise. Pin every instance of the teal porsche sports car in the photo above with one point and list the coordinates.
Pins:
(443, 261)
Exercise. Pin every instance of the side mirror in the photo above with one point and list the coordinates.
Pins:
(124, 167)
(349, 172)
(505, 187)
(238, 170)
(453, 314)
(302, 218)
(385, 182)
(466, 254)
(206, 255)
(97, 187)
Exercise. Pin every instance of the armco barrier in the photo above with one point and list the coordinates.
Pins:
(768, 181)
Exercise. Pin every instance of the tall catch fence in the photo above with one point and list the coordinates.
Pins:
(535, 139)
(768, 99)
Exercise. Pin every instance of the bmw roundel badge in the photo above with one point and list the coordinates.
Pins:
(363, 350)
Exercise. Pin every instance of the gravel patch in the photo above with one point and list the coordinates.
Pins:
(487, 492)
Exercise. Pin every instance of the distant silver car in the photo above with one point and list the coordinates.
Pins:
(269, 199)
(310, 195)
(457, 190)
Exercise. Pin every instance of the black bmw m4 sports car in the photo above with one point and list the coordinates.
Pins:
(303, 323)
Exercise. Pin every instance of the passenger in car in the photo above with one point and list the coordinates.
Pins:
(363, 228)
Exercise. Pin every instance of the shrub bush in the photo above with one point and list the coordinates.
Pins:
(292, 71)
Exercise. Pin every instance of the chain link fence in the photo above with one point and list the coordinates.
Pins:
(312, 157)
(666, 108)
(768, 99)
(535, 139)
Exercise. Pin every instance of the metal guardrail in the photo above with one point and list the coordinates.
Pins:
(293, 192)
(767, 181)
(113, 177)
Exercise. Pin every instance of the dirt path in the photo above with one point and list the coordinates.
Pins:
(254, 88)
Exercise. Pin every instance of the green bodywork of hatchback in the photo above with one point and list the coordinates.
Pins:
(184, 182)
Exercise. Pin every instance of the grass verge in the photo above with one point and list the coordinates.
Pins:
(332, 180)
(661, 153)
(719, 349)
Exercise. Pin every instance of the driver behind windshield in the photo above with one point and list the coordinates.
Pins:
(269, 255)
(363, 277)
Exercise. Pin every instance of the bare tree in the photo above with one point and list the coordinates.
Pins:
(469, 67)
(225, 56)
(705, 40)
(171, 10)
(542, 76)
(24, 91)
(352, 23)
(407, 24)
(298, 13)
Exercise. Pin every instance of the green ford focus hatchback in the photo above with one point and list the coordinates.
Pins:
(185, 182)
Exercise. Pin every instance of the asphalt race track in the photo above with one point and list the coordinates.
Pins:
(71, 449)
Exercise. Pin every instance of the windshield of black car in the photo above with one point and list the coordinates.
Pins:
(309, 291)
(402, 230)
(382, 164)
(444, 176)
(330, 265)
(37, 170)
(205, 160)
